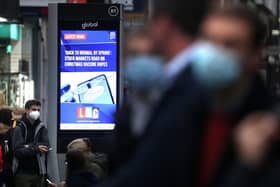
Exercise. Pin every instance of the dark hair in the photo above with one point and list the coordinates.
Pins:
(75, 160)
(32, 102)
(249, 15)
(6, 116)
(187, 15)
(88, 142)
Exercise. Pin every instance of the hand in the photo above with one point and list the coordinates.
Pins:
(43, 148)
(52, 185)
(61, 184)
(254, 136)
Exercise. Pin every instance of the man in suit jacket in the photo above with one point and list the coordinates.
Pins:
(165, 152)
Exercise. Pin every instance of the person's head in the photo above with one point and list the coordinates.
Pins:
(80, 144)
(239, 29)
(32, 109)
(78, 153)
(6, 118)
(137, 43)
(174, 24)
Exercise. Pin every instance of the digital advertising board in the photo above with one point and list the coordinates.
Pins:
(88, 68)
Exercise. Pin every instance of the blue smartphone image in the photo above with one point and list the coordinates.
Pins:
(66, 95)
(95, 91)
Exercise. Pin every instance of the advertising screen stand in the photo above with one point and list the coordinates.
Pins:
(84, 74)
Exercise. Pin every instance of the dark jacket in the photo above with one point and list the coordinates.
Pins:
(79, 170)
(231, 171)
(81, 179)
(243, 175)
(6, 175)
(166, 155)
(26, 138)
(98, 165)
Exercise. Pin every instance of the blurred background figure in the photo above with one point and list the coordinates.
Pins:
(83, 167)
(137, 42)
(97, 163)
(140, 70)
(6, 155)
(142, 74)
(239, 92)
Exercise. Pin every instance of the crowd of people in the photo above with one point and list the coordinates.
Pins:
(196, 112)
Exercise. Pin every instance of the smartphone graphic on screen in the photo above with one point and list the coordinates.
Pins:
(95, 91)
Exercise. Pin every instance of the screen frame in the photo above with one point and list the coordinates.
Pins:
(69, 21)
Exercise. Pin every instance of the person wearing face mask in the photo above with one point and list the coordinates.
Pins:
(239, 129)
(162, 150)
(30, 146)
(142, 73)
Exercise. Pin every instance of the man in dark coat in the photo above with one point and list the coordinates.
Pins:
(164, 151)
(30, 146)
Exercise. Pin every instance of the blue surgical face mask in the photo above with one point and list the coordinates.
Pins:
(214, 67)
(143, 72)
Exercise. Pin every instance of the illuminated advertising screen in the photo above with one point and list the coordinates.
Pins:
(88, 78)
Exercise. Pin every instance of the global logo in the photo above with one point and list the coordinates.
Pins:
(90, 25)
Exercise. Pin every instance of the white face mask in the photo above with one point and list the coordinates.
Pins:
(34, 115)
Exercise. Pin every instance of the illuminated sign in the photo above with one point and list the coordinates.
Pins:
(9, 31)
(88, 79)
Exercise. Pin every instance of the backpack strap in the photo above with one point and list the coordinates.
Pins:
(23, 128)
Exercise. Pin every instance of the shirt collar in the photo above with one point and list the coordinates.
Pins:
(178, 63)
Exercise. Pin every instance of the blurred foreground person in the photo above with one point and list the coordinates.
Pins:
(162, 135)
(236, 93)
(257, 145)
(6, 174)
